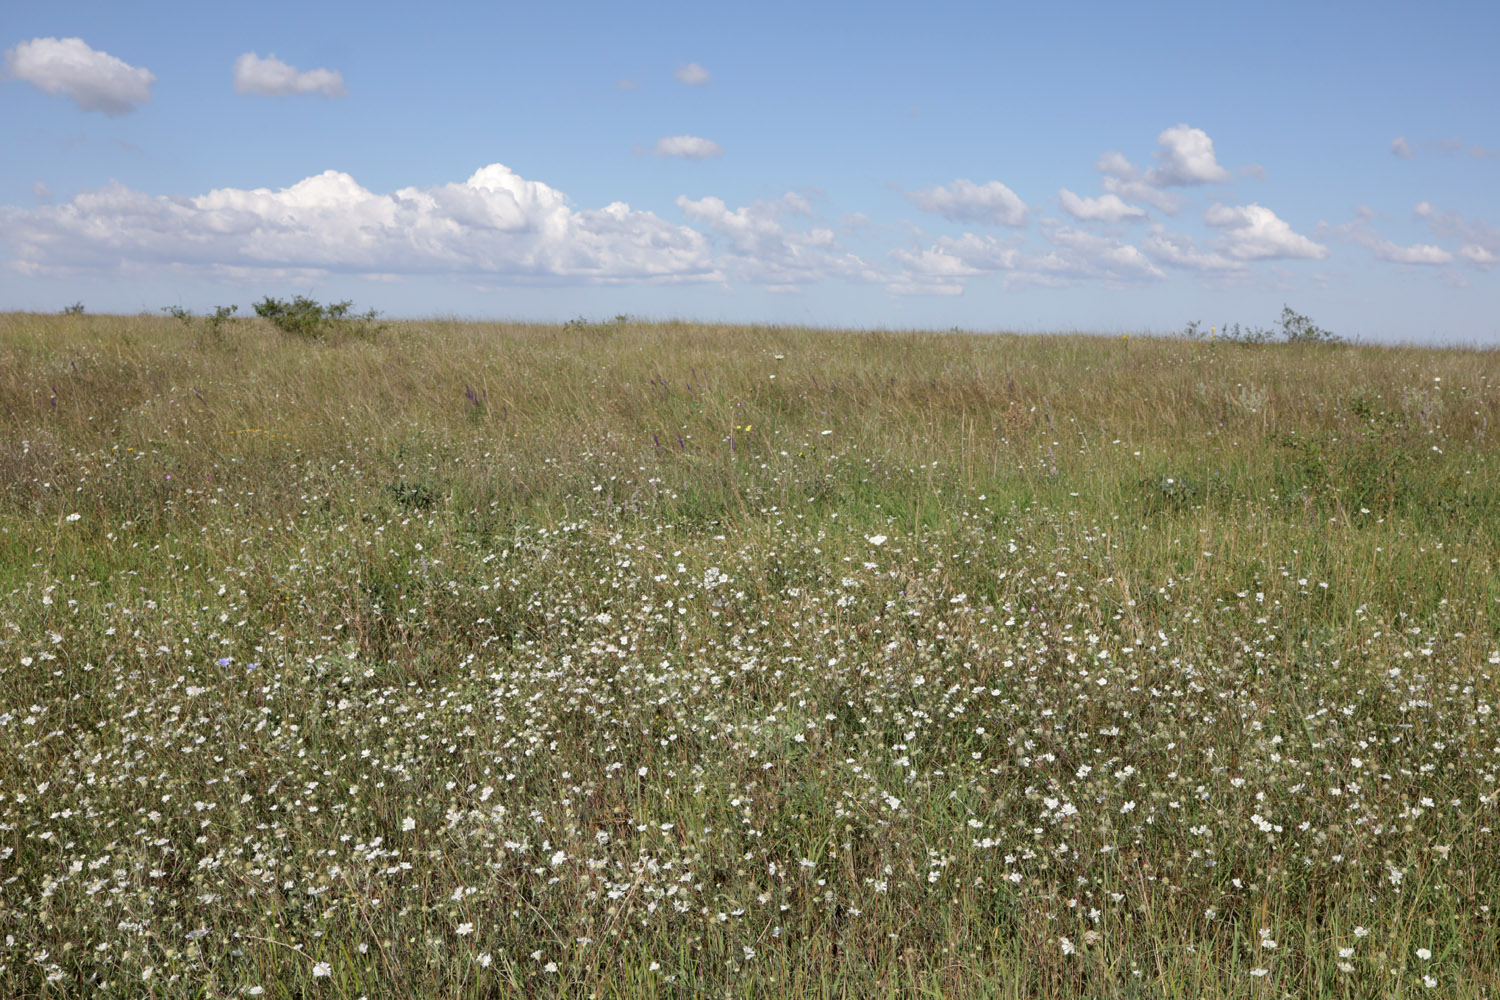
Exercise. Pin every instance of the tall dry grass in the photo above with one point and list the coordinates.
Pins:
(655, 659)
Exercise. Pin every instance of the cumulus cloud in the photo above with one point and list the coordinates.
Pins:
(1478, 256)
(689, 147)
(1179, 250)
(1417, 253)
(1088, 255)
(270, 77)
(1115, 164)
(1400, 147)
(1480, 242)
(1123, 180)
(693, 75)
(1362, 233)
(904, 286)
(41, 193)
(93, 80)
(941, 269)
(759, 246)
(935, 263)
(1186, 158)
(991, 204)
(1106, 208)
(1254, 232)
(496, 225)
(1075, 256)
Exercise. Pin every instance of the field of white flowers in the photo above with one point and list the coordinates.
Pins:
(674, 661)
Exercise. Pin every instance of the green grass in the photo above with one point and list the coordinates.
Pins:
(643, 660)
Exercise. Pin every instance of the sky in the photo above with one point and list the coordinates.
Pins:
(1035, 167)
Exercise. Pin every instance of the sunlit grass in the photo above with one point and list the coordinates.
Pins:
(659, 660)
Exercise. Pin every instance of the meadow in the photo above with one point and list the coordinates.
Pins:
(662, 660)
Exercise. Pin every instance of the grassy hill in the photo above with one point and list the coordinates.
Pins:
(638, 659)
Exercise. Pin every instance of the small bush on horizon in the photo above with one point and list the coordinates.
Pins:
(1294, 328)
(213, 323)
(309, 318)
(1298, 329)
(600, 326)
(76, 309)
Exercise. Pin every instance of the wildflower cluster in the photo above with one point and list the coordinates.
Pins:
(420, 703)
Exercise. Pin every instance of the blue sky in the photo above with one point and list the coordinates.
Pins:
(1083, 166)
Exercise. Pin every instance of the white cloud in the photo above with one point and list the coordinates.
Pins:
(1417, 253)
(689, 147)
(900, 286)
(1187, 158)
(93, 80)
(1116, 165)
(270, 77)
(1124, 181)
(1451, 146)
(984, 253)
(1091, 255)
(1106, 208)
(1361, 232)
(1076, 256)
(1254, 232)
(694, 75)
(41, 193)
(760, 248)
(991, 204)
(1480, 241)
(853, 222)
(1478, 256)
(933, 263)
(942, 268)
(1179, 250)
(495, 225)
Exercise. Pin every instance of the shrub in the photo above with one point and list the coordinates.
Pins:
(1294, 328)
(586, 325)
(306, 317)
(213, 324)
(1298, 329)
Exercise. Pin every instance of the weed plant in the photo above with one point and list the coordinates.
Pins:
(211, 326)
(517, 661)
(310, 319)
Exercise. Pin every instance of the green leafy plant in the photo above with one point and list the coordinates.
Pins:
(309, 318)
(1236, 334)
(212, 327)
(583, 323)
(1294, 328)
(1298, 329)
(76, 309)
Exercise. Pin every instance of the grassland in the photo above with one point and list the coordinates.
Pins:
(664, 660)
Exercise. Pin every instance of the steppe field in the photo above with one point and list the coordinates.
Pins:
(662, 660)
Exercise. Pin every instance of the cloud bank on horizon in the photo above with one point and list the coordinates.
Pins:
(497, 226)
(1172, 215)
